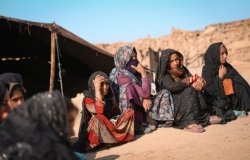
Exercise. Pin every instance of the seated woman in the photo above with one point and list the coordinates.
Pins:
(97, 126)
(39, 129)
(133, 88)
(16, 91)
(226, 89)
(189, 106)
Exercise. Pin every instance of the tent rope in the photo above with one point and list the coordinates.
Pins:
(59, 65)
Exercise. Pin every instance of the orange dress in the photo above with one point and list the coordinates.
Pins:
(102, 130)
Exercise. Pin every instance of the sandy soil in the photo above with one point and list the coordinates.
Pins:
(221, 142)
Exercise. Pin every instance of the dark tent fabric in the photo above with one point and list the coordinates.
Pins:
(25, 48)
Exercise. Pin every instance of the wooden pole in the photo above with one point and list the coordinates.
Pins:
(52, 62)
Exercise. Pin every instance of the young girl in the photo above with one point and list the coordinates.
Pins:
(98, 124)
(227, 91)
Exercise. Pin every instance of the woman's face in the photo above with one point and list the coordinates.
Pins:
(104, 88)
(16, 99)
(223, 54)
(174, 61)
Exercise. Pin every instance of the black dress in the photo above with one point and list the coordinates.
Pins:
(224, 105)
(189, 104)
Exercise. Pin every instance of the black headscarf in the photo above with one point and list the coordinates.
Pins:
(91, 89)
(163, 67)
(211, 68)
(15, 78)
(212, 55)
(11, 78)
(37, 130)
(2, 92)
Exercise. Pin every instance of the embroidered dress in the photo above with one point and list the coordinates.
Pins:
(102, 130)
(162, 107)
(131, 89)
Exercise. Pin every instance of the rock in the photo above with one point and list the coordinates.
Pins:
(193, 44)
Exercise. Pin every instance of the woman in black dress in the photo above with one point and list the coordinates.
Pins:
(190, 109)
(227, 91)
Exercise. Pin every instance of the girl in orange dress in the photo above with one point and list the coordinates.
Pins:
(99, 125)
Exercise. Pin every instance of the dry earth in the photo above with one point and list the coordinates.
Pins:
(219, 142)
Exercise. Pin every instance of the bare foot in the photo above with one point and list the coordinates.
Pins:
(215, 119)
(194, 128)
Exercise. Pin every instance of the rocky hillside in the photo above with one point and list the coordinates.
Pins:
(235, 35)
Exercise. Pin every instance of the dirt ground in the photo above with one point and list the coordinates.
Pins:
(230, 141)
(220, 142)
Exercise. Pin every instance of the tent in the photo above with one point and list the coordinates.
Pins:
(48, 56)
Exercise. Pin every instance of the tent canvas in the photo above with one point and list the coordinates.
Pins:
(25, 47)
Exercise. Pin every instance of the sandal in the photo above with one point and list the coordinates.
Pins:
(194, 128)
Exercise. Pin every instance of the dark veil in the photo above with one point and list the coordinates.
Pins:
(163, 67)
(37, 130)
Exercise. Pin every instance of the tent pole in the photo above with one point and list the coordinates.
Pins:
(52, 63)
(59, 64)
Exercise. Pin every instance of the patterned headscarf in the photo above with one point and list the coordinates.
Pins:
(122, 57)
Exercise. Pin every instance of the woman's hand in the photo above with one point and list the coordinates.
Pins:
(201, 80)
(197, 86)
(222, 71)
(198, 83)
(194, 78)
(146, 103)
(97, 81)
(97, 84)
(140, 69)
